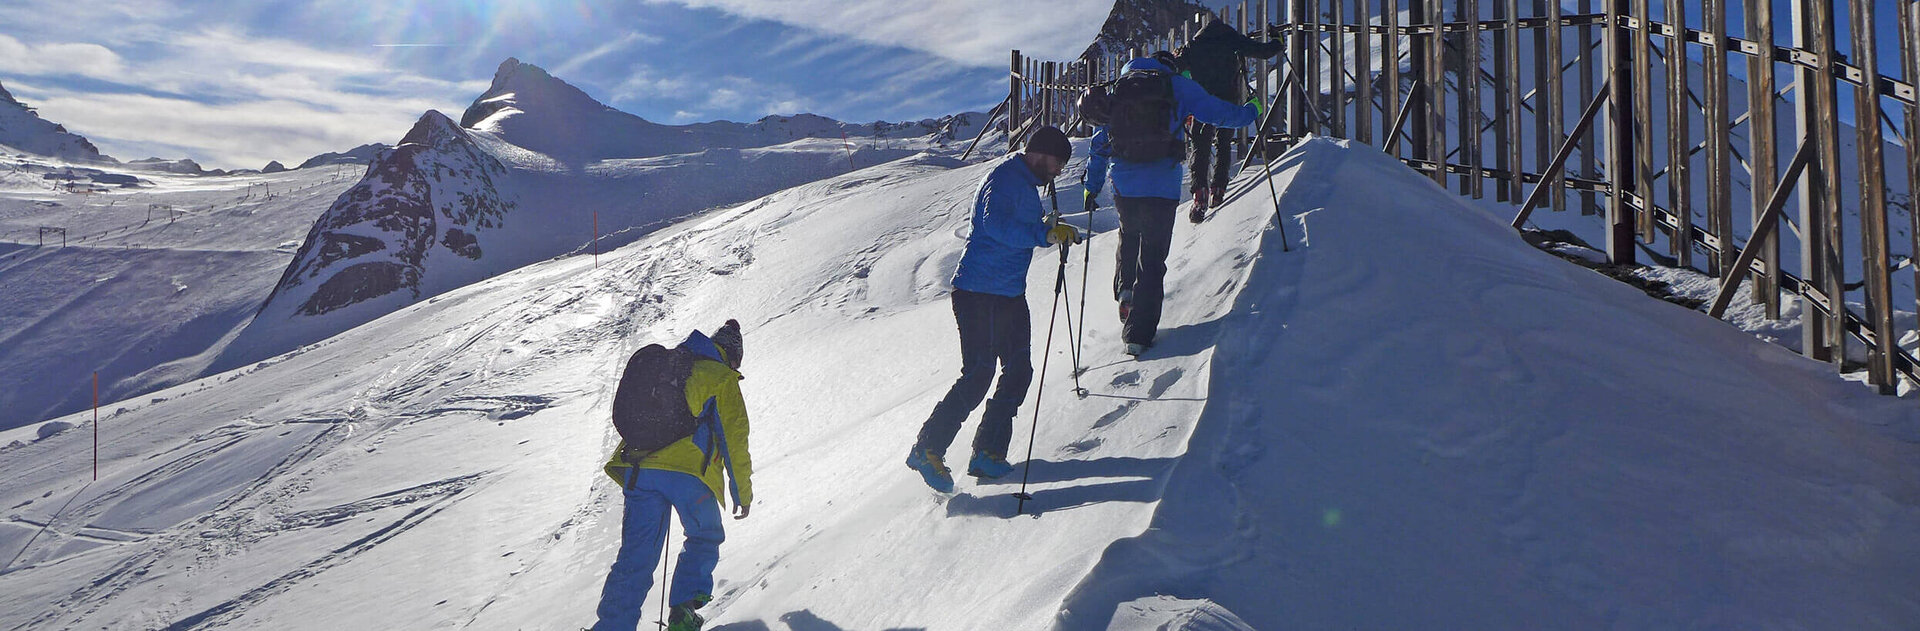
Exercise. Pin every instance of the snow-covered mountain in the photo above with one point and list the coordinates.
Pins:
(1135, 21)
(363, 154)
(22, 130)
(1413, 419)
(535, 169)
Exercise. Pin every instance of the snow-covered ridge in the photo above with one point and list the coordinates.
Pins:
(22, 129)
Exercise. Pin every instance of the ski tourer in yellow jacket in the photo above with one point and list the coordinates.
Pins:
(719, 440)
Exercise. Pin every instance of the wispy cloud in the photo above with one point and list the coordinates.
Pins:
(977, 33)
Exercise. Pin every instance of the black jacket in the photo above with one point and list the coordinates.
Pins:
(1214, 57)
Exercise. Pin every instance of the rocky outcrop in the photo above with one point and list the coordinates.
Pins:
(433, 195)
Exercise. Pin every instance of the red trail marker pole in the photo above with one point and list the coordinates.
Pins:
(96, 426)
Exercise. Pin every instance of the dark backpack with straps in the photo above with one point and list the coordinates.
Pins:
(650, 408)
(1141, 111)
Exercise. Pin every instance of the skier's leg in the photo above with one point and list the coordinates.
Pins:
(625, 591)
(701, 520)
(1156, 238)
(1013, 345)
(974, 314)
(1199, 156)
(1222, 161)
(1128, 254)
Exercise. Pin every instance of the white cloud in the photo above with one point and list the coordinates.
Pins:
(975, 33)
(252, 99)
(55, 59)
(573, 66)
(232, 135)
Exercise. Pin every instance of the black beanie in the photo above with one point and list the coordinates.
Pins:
(1051, 141)
(728, 339)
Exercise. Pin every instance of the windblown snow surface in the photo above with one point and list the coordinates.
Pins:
(1411, 419)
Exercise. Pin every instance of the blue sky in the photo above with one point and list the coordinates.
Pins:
(234, 84)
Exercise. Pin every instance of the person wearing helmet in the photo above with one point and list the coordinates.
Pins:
(990, 308)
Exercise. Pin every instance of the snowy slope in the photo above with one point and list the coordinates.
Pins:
(1418, 422)
(146, 301)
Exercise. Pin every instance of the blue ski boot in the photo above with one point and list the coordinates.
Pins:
(988, 466)
(931, 469)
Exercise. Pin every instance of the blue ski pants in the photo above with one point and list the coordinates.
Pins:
(652, 496)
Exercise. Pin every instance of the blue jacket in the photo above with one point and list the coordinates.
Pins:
(1008, 223)
(1162, 178)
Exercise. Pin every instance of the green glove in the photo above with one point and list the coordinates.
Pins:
(1259, 108)
(1091, 202)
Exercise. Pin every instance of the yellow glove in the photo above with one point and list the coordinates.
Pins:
(1258, 107)
(1063, 233)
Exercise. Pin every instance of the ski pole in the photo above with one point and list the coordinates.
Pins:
(1054, 194)
(1059, 287)
(1086, 264)
(666, 529)
(1267, 171)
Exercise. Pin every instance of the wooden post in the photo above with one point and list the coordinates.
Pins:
(1435, 93)
(1264, 67)
(1588, 203)
(1719, 162)
(1315, 48)
(1297, 51)
(1766, 226)
(1620, 148)
(1337, 76)
(1390, 68)
(1555, 105)
(1363, 75)
(1013, 103)
(1679, 138)
(1813, 89)
(1471, 110)
(1910, 61)
(1761, 145)
(1873, 201)
(1503, 138)
(1515, 145)
(1643, 115)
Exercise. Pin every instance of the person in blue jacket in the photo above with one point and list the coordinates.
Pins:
(1147, 196)
(990, 307)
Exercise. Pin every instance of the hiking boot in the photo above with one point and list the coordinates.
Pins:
(1219, 197)
(1126, 305)
(682, 617)
(1200, 203)
(931, 469)
(1135, 349)
(988, 466)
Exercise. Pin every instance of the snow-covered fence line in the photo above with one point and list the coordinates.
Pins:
(1545, 86)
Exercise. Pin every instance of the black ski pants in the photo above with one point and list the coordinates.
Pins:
(1146, 234)
(993, 330)
(1210, 155)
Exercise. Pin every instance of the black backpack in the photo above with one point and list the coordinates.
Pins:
(650, 408)
(1142, 109)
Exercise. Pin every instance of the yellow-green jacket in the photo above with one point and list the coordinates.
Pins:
(713, 396)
